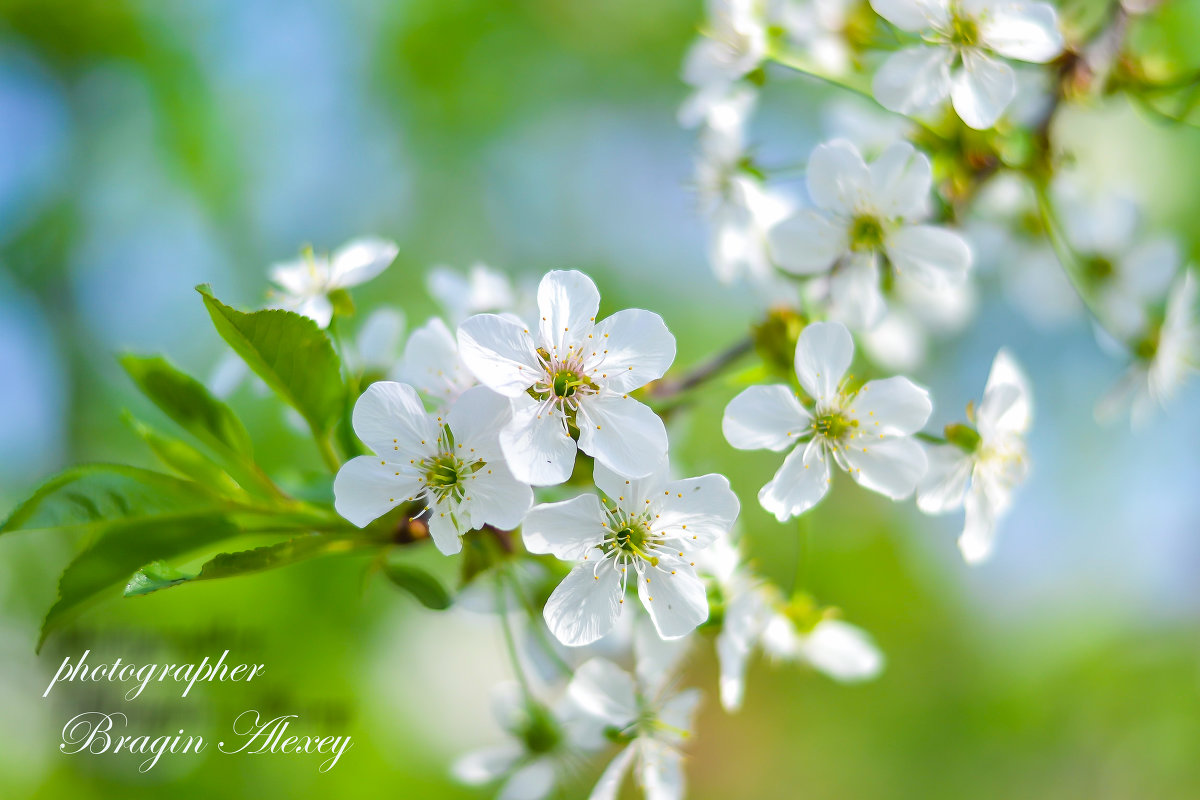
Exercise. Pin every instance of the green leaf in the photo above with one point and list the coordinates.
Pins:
(157, 575)
(290, 353)
(123, 548)
(186, 401)
(184, 459)
(105, 493)
(420, 584)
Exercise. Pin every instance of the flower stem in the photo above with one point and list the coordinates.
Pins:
(801, 568)
(509, 641)
(325, 446)
(702, 373)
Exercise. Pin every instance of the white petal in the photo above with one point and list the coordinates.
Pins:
(629, 349)
(823, 355)
(390, 419)
(360, 260)
(697, 510)
(889, 466)
(447, 524)
(485, 765)
(799, 484)
(603, 689)
(838, 178)
(569, 530)
(734, 644)
(765, 417)
(301, 277)
(892, 406)
(495, 497)
(945, 481)
(657, 660)
(500, 352)
(674, 596)
(855, 295)
(979, 529)
(935, 257)
(1147, 269)
(842, 651)
(568, 301)
(630, 494)
(901, 179)
(536, 445)
(807, 242)
(660, 770)
(1005, 412)
(378, 339)
(431, 362)
(913, 80)
(318, 308)
(533, 781)
(627, 436)
(585, 606)
(476, 419)
(678, 712)
(1022, 30)
(912, 15)
(610, 780)
(365, 489)
(982, 89)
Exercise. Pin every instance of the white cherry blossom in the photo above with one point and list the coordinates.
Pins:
(450, 464)
(757, 618)
(962, 39)
(982, 465)
(864, 214)
(305, 284)
(432, 364)
(734, 44)
(572, 373)
(649, 532)
(1163, 357)
(818, 27)
(482, 289)
(867, 433)
(544, 744)
(644, 714)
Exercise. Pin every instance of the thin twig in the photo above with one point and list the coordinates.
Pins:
(670, 389)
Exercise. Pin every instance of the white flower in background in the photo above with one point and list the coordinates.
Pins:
(871, 129)
(757, 618)
(863, 214)
(305, 284)
(573, 372)
(481, 290)
(866, 432)
(644, 714)
(900, 340)
(544, 745)
(818, 27)
(739, 211)
(1125, 275)
(452, 464)
(981, 466)
(734, 44)
(649, 533)
(432, 364)
(1164, 356)
(958, 59)
(377, 343)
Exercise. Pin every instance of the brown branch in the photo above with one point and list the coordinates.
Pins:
(670, 389)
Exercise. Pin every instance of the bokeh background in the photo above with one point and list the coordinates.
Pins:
(147, 147)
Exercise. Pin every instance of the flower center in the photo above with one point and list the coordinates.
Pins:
(563, 381)
(540, 733)
(833, 426)
(1098, 270)
(446, 474)
(629, 537)
(866, 233)
(964, 31)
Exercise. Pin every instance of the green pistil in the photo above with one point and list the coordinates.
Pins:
(632, 539)
(964, 31)
(541, 733)
(833, 426)
(866, 234)
(446, 475)
(1098, 270)
(1146, 347)
(964, 437)
(566, 382)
